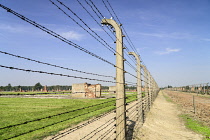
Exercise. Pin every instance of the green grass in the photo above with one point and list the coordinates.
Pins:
(167, 98)
(196, 126)
(36, 113)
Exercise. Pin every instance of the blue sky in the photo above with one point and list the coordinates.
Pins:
(172, 38)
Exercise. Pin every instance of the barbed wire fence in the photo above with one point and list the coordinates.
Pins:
(194, 100)
(202, 88)
(135, 106)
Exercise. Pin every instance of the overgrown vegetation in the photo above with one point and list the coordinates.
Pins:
(29, 118)
(196, 126)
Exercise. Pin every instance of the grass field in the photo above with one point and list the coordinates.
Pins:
(28, 118)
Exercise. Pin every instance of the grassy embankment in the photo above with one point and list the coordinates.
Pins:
(27, 118)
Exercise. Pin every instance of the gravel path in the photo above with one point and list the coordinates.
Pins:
(163, 123)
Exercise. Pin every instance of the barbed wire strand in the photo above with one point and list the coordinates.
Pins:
(109, 47)
(79, 126)
(106, 44)
(105, 125)
(128, 40)
(26, 58)
(103, 17)
(50, 73)
(116, 38)
(54, 123)
(54, 34)
(58, 36)
(57, 114)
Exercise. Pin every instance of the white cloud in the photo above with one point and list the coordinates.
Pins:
(206, 39)
(173, 35)
(14, 29)
(72, 35)
(168, 51)
(141, 49)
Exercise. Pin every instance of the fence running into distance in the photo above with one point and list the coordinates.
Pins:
(128, 111)
(202, 88)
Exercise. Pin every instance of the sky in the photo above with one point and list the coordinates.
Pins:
(172, 38)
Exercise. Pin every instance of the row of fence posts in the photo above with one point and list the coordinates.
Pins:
(150, 86)
(196, 88)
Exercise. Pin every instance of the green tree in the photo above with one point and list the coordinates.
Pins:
(1, 88)
(8, 87)
(38, 86)
(170, 86)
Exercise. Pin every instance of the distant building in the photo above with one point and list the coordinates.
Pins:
(86, 90)
(45, 89)
(112, 89)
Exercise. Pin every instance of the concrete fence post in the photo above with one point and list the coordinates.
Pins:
(145, 99)
(149, 90)
(120, 81)
(139, 85)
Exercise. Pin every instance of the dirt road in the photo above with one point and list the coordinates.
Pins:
(163, 123)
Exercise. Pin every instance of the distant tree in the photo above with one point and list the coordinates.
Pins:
(1, 88)
(38, 86)
(8, 87)
(105, 87)
(187, 87)
(169, 86)
(18, 88)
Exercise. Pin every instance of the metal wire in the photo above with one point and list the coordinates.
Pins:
(54, 34)
(50, 73)
(55, 123)
(80, 126)
(106, 44)
(54, 65)
(56, 114)
(128, 40)
(127, 62)
(105, 125)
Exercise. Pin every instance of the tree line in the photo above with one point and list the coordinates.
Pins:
(36, 87)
